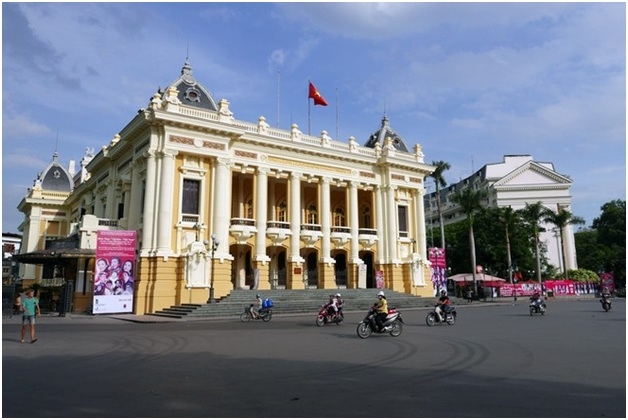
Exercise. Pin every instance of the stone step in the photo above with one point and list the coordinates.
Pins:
(293, 301)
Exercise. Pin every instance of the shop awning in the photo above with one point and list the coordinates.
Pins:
(53, 256)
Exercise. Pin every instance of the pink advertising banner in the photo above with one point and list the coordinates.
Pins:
(557, 287)
(439, 271)
(114, 274)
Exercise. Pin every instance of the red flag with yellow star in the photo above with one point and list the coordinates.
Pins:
(318, 98)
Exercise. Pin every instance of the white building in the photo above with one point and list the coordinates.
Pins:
(287, 210)
(515, 182)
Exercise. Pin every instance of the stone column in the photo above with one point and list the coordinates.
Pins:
(135, 197)
(391, 232)
(221, 212)
(325, 220)
(164, 212)
(379, 205)
(148, 227)
(261, 214)
(354, 222)
(421, 238)
(295, 268)
(295, 216)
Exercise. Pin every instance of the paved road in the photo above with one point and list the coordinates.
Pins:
(497, 361)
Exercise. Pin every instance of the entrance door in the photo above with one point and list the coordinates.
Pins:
(367, 257)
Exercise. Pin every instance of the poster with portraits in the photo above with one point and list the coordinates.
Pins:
(114, 272)
(438, 267)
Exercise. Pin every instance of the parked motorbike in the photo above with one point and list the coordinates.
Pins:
(393, 324)
(265, 314)
(537, 306)
(606, 303)
(449, 314)
(323, 316)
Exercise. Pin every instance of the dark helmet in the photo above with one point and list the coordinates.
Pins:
(257, 296)
(443, 293)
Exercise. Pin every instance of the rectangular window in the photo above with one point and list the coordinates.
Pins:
(191, 194)
(402, 213)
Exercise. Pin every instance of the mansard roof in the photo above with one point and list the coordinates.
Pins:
(55, 177)
(192, 92)
(383, 133)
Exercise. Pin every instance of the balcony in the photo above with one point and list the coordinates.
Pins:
(277, 232)
(242, 229)
(340, 235)
(310, 233)
(367, 237)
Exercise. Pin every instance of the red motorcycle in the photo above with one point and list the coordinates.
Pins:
(324, 317)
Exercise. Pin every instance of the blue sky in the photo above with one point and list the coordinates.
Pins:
(470, 82)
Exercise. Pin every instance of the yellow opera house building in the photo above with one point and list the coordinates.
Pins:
(226, 204)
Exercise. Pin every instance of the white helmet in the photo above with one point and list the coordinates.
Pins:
(381, 293)
(337, 294)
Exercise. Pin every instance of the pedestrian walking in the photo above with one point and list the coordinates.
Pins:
(30, 310)
(469, 296)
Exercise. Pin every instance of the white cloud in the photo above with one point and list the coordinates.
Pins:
(22, 126)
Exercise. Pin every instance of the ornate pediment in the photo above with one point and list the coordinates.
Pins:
(533, 174)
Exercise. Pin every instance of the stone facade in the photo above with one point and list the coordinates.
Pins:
(218, 202)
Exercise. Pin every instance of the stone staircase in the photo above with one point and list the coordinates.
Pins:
(293, 301)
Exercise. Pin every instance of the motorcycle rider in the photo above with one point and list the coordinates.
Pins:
(382, 311)
(332, 306)
(442, 304)
(605, 294)
(255, 307)
(536, 298)
(339, 302)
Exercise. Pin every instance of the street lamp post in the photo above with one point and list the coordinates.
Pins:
(214, 243)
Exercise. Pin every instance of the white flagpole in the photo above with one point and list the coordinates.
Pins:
(308, 107)
(278, 74)
(337, 136)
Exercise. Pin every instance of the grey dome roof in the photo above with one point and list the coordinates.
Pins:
(55, 177)
(191, 92)
(383, 133)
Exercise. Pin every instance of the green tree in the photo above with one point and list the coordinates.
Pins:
(611, 235)
(507, 217)
(591, 255)
(533, 214)
(561, 219)
(471, 202)
(439, 180)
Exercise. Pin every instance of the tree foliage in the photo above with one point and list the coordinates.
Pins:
(561, 219)
(603, 249)
(583, 274)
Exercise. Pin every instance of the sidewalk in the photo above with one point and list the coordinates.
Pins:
(53, 317)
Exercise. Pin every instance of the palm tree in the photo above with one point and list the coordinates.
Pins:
(533, 214)
(561, 219)
(471, 202)
(441, 166)
(507, 218)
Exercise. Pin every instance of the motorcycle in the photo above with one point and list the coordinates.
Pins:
(393, 324)
(449, 313)
(537, 306)
(323, 316)
(265, 314)
(606, 303)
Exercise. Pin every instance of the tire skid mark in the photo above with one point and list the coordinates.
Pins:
(404, 350)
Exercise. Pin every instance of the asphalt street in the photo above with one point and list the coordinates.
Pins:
(496, 361)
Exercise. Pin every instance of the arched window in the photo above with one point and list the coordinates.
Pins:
(248, 209)
(339, 217)
(282, 212)
(311, 215)
(366, 217)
